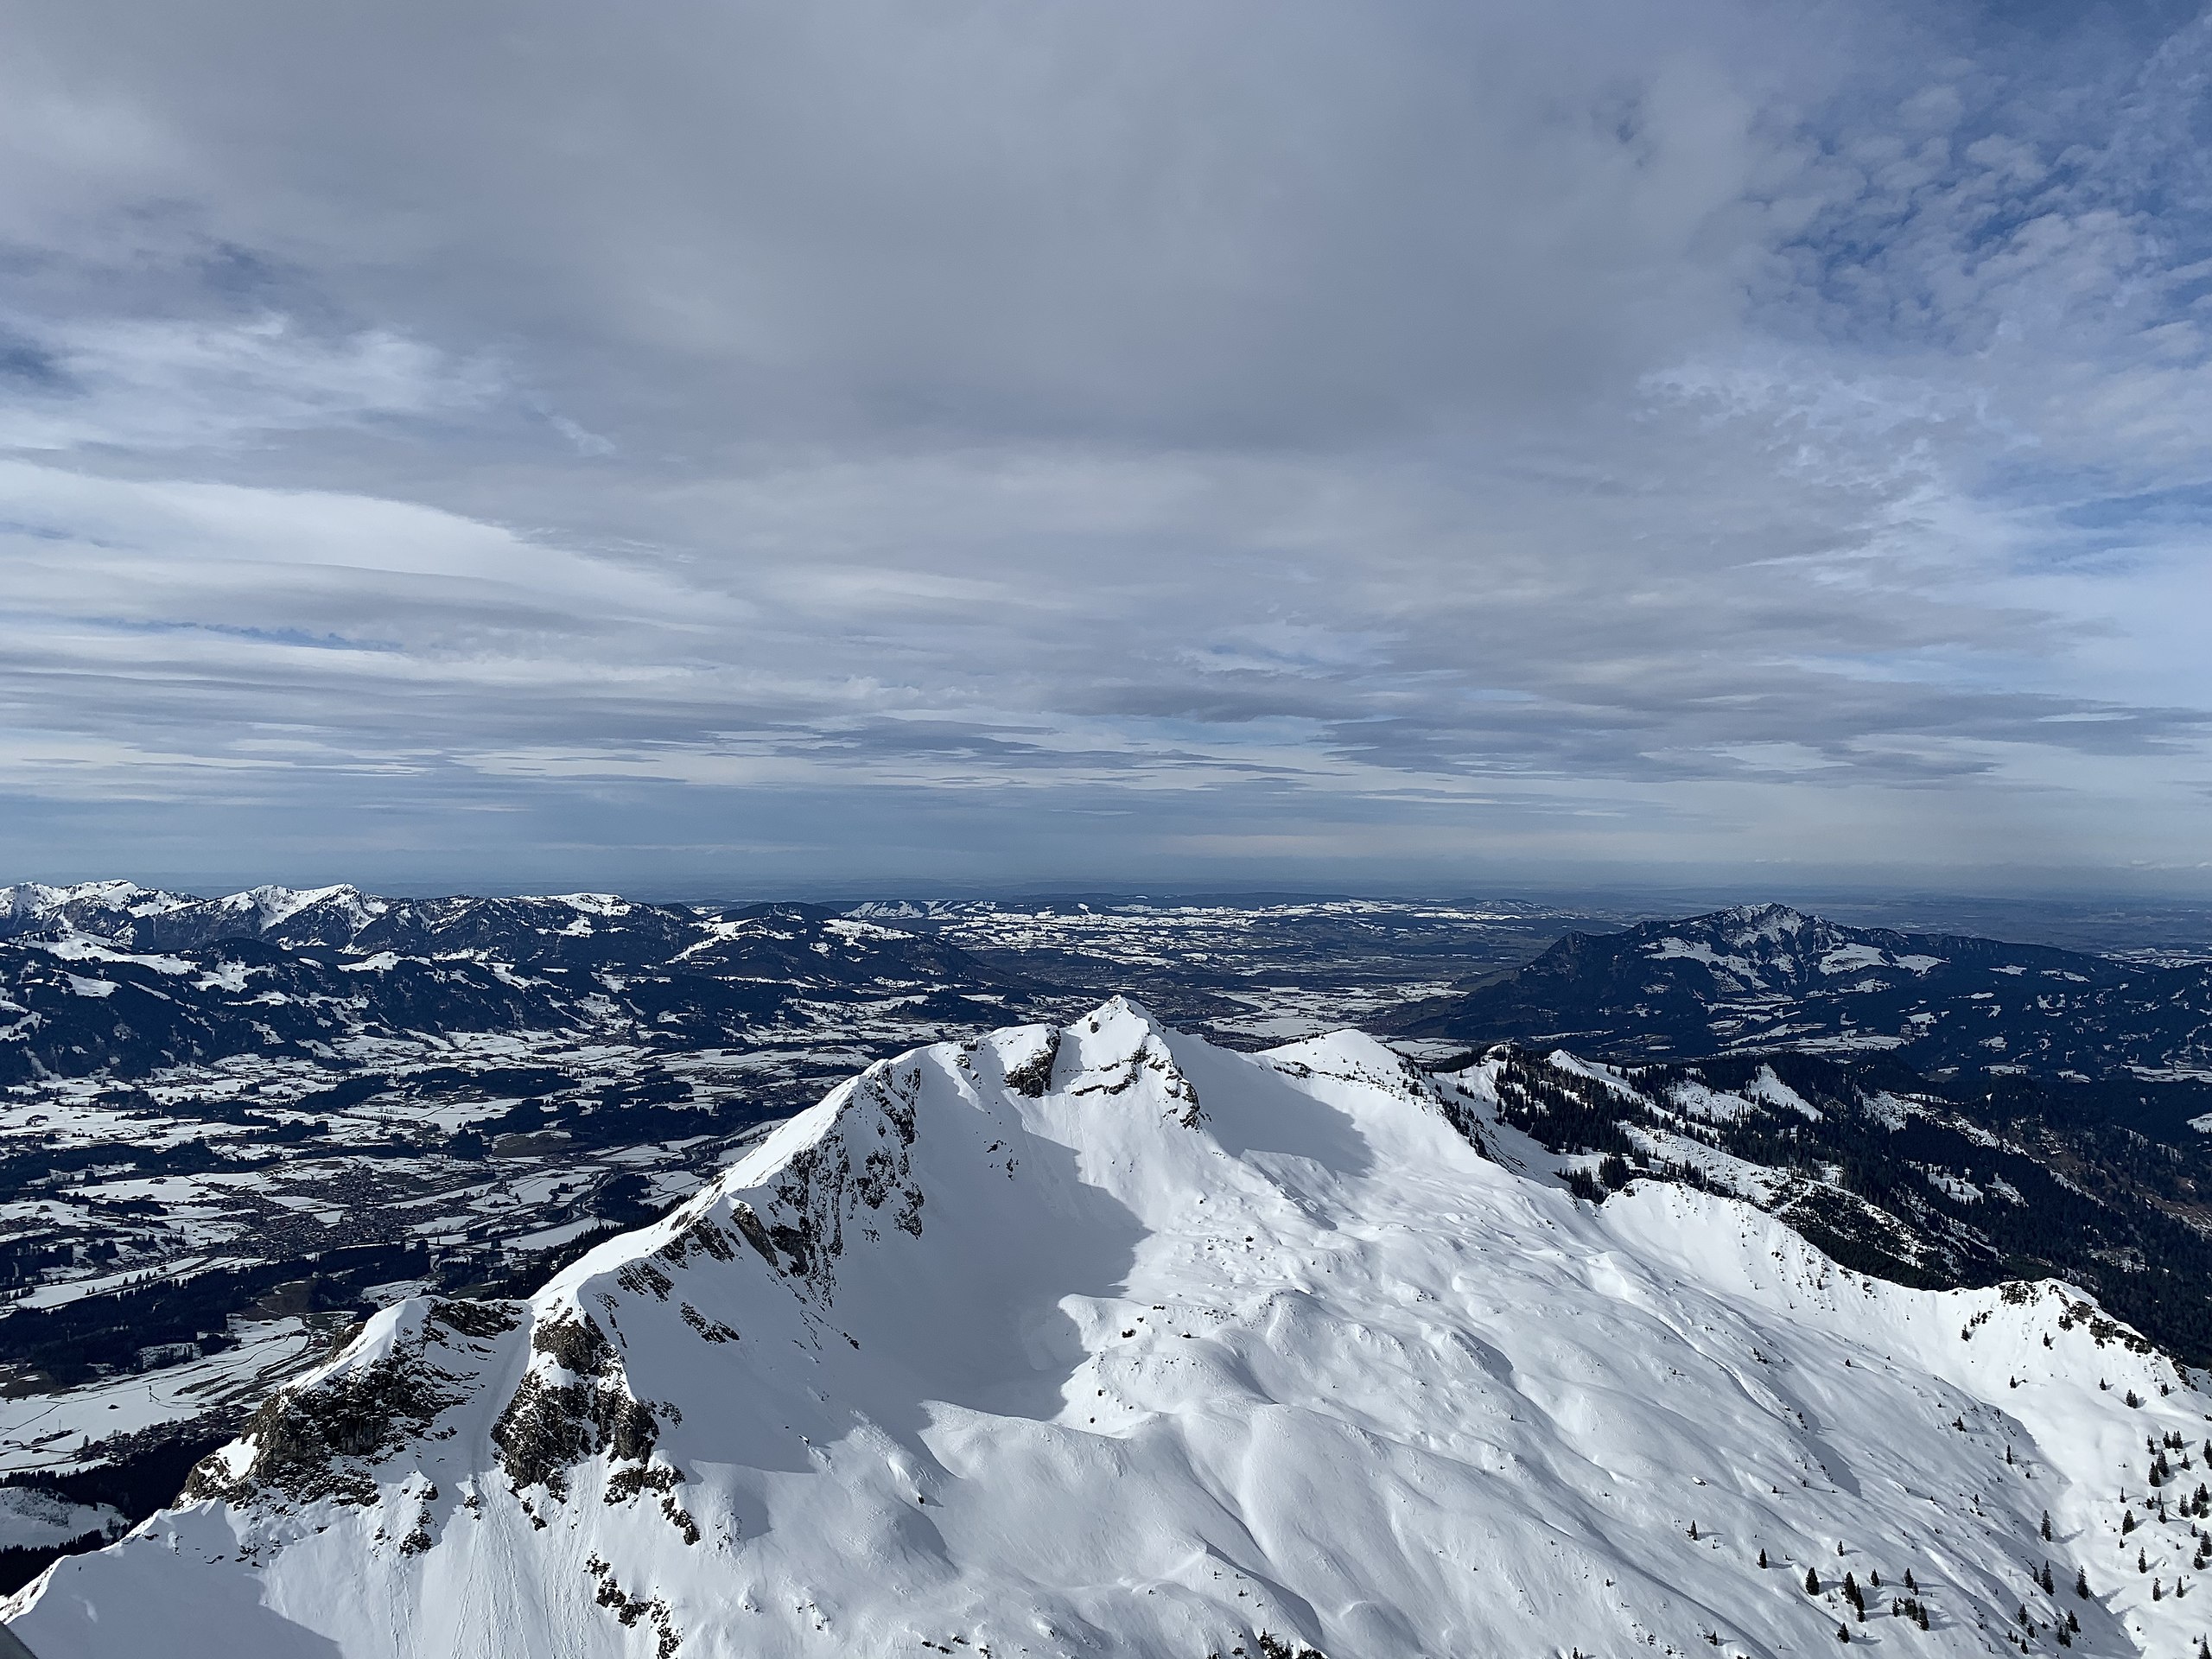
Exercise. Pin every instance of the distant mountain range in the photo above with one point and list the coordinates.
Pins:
(110, 977)
(1764, 977)
(113, 977)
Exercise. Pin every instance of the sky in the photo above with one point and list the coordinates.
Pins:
(885, 445)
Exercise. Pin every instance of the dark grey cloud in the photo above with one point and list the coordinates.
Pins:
(873, 439)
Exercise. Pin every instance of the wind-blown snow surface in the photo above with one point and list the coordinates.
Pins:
(1110, 1342)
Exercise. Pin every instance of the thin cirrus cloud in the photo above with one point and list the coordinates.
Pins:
(155, 385)
(742, 446)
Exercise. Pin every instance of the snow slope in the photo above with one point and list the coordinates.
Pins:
(1107, 1342)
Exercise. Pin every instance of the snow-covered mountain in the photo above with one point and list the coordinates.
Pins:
(125, 914)
(1101, 1340)
(107, 909)
(1763, 977)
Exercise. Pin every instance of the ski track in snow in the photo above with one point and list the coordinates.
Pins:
(1183, 1346)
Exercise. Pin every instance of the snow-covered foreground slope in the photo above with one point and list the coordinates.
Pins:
(1109, 1342)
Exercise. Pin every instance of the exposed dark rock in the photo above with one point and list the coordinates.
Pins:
(1035, 1075)
(550, 1427)
(321, 1439)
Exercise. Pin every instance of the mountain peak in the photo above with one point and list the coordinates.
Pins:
(1119, 1022)
(1765, 921)
(106, 907)
(271, 897)
(592, 904)
(1119, 1046)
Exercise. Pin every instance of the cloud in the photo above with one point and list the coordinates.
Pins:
(1147, 221)
(1080, 441)
(143, 384)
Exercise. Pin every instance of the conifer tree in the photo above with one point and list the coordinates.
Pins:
(2046, 1526)
(2045, 1578)
(1762, 1558)
(2081, 1582)
(1908, 1584)
(1812, 1582)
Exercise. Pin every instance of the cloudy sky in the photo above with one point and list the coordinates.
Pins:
(729, 447)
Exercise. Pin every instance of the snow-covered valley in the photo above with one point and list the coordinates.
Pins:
(1105, 1341)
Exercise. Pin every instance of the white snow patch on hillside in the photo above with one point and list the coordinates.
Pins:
(44, 1431)
(1849, 958)
(1886, 1110)
(1694, 1099)
(1952, 1186)
(593, 903)
(227, 976)
(78, 947)
(1596, 1071)
(30, 1519)
(1724, 1171)
(1854, 1042)
(844, 928)
(1669, 949)
(1775, 1092)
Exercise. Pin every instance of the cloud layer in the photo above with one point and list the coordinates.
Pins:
(731, 447)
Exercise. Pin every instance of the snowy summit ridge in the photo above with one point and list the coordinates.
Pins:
(1102, 1340)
